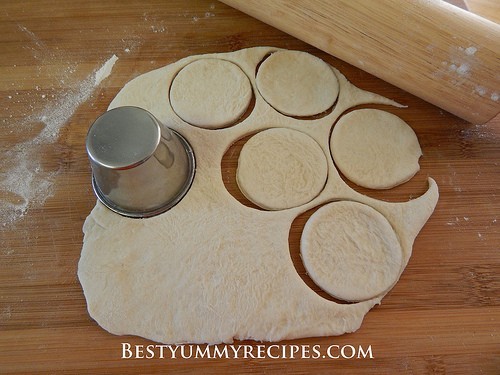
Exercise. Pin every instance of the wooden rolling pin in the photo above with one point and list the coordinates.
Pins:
(434, 50)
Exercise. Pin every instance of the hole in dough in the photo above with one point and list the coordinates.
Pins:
(351, 251)
(296, 229)
(211, 93)
(297, 83)
(281, 168)
(229, 165)
(375, 149)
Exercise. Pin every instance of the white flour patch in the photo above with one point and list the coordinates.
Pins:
(105, 70)
(481, 90)
(460, 65)
(25, 183)
(470, 51)
(55, 116)
(155, 25)
(463, 69)
(158, 29)
(38, 43)
(206, 15)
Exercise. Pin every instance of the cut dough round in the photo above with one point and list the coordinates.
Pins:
(351, 251)
(210, 93)
(281, 168)
(375, 149)
(297, 84)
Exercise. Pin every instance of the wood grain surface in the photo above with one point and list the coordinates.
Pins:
(441, 317)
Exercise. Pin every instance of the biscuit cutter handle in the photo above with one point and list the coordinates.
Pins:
(432, 49)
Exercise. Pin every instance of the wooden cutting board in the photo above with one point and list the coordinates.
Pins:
(442, 316)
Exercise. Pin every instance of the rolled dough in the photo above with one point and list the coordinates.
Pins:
(281, 168)
(351, 251)
(297, 84)
(375, 149)
(210, 93)
(212, 270)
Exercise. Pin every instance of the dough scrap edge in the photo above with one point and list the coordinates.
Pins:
(308, 314)
(411, 217)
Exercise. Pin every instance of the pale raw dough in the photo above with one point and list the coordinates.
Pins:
(281, 168)
(351, 251)
(210, 93)
(297, 83)
(375, 149)
(212, 270)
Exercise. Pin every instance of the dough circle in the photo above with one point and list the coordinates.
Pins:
(375, 149)
(210, 93)
(351, 251)
(296, 83)
(281, 168)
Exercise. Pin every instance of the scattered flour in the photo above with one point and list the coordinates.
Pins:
(207, 14)
(105, 70)
(480, 90)
(460, 64)
(25, 183)
(463, 69)
(158, 29)
(470, 51)
(155, 25)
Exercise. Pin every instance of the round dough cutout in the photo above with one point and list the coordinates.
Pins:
(375, 149)
(351, 251)
(297, 83)
(281, 168)
(210, 93)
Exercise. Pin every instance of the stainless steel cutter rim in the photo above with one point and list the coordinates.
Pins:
(128, 165)
(157, 210)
